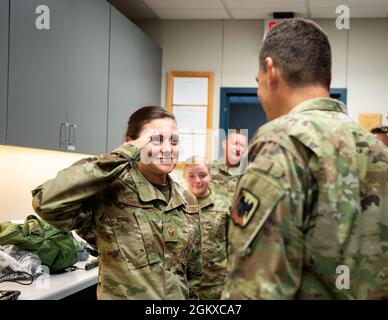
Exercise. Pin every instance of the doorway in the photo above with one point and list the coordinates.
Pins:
(240, 108)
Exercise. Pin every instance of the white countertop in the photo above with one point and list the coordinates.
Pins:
(56, 286)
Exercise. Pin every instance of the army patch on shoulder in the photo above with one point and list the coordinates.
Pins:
(244, 207)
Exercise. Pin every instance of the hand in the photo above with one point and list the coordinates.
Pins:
(143, 139)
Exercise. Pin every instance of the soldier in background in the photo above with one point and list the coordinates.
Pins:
(382, 134)
(146, 226)
(226, 171)
(310, 216)
(214, 217)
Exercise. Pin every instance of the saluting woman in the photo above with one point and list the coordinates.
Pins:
(146, 226)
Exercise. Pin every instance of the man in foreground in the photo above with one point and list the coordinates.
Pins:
(310, 216)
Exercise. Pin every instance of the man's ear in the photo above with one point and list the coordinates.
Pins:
(127, 139)
(272, 73)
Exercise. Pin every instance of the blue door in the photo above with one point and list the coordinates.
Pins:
(241, 109)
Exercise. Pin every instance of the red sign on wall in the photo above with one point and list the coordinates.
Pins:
(271, 24)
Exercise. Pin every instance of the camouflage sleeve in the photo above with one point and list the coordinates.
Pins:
(266, 227)
(65, 201)
(194, 268)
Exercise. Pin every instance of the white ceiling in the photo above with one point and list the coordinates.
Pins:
(247, 9)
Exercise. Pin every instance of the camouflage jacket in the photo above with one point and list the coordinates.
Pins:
(310, 219)
(223, 182)
(148, 249)
(214, 218)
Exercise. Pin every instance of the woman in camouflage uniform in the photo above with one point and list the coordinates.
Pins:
(214, 215)
(146, 226)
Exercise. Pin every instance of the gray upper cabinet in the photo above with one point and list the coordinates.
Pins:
(72, 87)
(135, 75)
(59, 77)
(38, 73)
(88, 70)
(4, 20)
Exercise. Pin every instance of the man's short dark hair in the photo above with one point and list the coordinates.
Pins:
(301, 50)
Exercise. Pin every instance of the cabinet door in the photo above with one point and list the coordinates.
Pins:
(4, 14)
(135, 75)
(88, 86)
(38, 66)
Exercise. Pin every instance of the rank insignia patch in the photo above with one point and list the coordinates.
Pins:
(244, 207)
(170, 234)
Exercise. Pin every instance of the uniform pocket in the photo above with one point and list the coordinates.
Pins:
(189, 239)
(214, 254)
(130, 240)
(132, 231)
(217, 224)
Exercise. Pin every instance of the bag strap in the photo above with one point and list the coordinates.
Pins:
(26, 227)
(48, 230)
(17, 276)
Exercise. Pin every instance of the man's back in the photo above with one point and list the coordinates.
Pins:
(330, 214)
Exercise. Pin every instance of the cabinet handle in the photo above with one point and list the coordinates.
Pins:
(64, 125)
(71, 137)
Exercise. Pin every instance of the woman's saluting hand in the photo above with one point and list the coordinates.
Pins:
(143, 140)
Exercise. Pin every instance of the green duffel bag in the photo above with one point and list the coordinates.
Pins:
(56, 249)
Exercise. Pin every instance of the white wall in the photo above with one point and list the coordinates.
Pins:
(230, 49)
(240, 53)
(22, 170)
(192, 46)
(368, 67)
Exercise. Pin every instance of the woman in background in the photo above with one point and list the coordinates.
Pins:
(146, 226)
(214, 216)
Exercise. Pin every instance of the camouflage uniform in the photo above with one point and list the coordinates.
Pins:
(315, 197)
(214, 217)
(223, 181)
(148, 249)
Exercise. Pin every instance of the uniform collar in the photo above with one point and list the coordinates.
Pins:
(177, 198)
(326, 104)
(222, 166)
(147, 192)
(206, 201)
